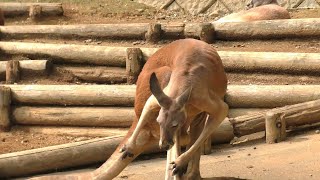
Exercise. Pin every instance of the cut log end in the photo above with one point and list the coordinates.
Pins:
(35, 12)
(153, 34)
(12, 72)
(275, 128)
(207, 33)
(5, 102)
(134, 63)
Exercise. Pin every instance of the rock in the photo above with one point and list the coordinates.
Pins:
(24, 141)
(140, 10)
(250, 166)
(88, 41)
(3, 139)
(136, 43)
(317, 131)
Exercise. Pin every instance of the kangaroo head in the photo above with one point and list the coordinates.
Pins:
(172, 114)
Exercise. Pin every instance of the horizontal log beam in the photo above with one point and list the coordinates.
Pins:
(57, 157)
(270, 96)
(119, 31)
(83, 95)
(72, 131)
(116, 56)
(97, 74)
(18, 9)
(238, 96)
(74, 116)
(68, 53)
(266, 29)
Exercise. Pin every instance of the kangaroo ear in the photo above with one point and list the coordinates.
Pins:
(184, 97)
(156, 90)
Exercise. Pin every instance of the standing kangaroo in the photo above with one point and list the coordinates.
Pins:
(258, 10)
(178, 85)
(1, 18)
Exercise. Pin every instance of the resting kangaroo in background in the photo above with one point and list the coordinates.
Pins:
(256, 3)
(194, 82)
(265, 12)
(1, 18)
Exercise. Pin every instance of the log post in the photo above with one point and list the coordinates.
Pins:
(5, 101)
(35, 12)
(153, 34)
(203, 31)
(275, 127)
(206, 32)
(12, 72)
(133, 64)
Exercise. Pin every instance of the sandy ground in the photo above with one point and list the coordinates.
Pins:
(296, 158)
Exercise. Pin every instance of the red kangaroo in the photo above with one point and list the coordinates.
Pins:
(264, 12)
(194, 82)
(1, 18)
(178, 85)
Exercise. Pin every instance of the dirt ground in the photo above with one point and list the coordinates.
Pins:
(126, 11)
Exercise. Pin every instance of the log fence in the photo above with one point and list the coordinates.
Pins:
(208, 32)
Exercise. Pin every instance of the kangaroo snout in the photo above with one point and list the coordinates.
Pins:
(163, 144)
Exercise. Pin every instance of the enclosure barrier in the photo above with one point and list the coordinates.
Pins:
(31, 9)
(128, 62)
(265, 29)
(27, 103)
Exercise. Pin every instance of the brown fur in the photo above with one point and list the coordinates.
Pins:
(265, 12)
(163, 63)
(1, 18)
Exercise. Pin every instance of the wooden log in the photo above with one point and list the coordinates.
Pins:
(173, 30)
(270, 96)
(39, 67)
(112, 31)
(285, 28)
(263, 61)
(20, 9)
(134, 64)
(83, 95)
(5, 110)
(74, 116)
(224, 133)
(238, 96)
(153, 34)
(72, 131)
(294, 115)
(67, 53)
(97, 74)
(12, 72)
(271, 61)
(116, 56)
(275, 127)
(57, 157)
(245, 111)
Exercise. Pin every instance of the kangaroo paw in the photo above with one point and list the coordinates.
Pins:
(179, 169)
(126, 151)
